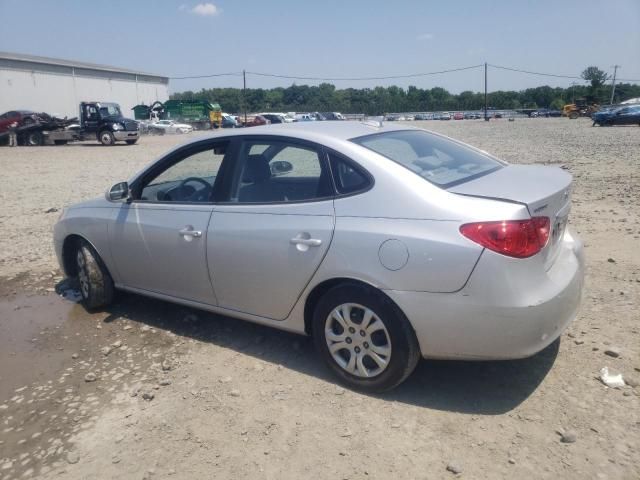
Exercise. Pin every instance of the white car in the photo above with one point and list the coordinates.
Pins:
(169, 126)
(385, 243)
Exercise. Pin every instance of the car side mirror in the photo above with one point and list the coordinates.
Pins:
(280, 166)
(119, 192)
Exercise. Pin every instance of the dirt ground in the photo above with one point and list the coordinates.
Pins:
(150, 390)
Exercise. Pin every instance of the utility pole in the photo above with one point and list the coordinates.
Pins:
(486, 119)
(244, 94)
(613, 83)
(573, 92)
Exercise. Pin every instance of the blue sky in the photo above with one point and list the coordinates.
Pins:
(330, 38)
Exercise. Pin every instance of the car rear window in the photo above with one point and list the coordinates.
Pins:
(440, 161)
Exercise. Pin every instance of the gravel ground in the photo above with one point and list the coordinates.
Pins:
(186, 394)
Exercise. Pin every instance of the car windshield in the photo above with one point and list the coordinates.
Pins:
(110, 110)
(439, 160)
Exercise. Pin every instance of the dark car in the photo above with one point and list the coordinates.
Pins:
(256, 120)
(629, 115)
(332, 115)
(273, 118)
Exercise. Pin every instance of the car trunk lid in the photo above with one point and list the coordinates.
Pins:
(546, 191)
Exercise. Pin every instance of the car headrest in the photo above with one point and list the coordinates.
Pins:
(256, 169)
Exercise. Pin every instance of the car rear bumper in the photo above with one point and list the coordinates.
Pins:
(122, 135)
(505, 311)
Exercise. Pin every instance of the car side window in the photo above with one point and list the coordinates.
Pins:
(347, 177)
(191, 179)
(279, 171)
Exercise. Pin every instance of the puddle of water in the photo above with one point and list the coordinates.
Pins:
(32, 346)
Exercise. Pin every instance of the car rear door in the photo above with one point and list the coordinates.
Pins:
(268, 238)
(159, 239)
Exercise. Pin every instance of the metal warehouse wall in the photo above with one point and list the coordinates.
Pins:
(61, 93)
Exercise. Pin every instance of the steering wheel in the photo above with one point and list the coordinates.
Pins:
(198, 195)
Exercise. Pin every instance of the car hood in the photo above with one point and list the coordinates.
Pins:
(116, 118)
(99, 202)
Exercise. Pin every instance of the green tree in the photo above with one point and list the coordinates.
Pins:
(557, 104)
(597, 78)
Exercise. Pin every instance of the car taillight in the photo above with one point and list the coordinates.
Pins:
(514, 238)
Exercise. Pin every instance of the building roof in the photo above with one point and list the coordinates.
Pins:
(34, 59)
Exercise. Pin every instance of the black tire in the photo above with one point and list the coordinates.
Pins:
(34, 139)
(405, 351)
(106, 138)
(96, 285)
(574, 115)
(132, 142)
(60, 142)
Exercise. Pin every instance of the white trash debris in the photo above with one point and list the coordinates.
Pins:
(609, 380)
(72, 295)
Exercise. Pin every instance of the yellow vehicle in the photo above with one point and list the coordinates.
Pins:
(579, 109)
(215, 118)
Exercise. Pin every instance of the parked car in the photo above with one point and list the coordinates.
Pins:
(304, 117)
(255, 121)
(229, 121)
(169, 126)
(458, 116)
(290, 226)
(424, 116)
(332, 115)
(545, 112)
(444, 116)
(628, 115)
(392, 118)
(472, 116)
(274, 117)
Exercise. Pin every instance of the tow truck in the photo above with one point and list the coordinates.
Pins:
(101, 121)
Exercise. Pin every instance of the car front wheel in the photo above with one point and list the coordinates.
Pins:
(364, 338)
(96, 285)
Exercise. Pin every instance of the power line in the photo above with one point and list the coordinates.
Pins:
(230, 74)
(555, 75)
(390, 77)
(535, 73)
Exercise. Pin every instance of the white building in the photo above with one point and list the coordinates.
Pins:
(57, 86)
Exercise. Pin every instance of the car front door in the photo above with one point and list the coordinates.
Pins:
(268, 238)
(159, 238)
(628, 116)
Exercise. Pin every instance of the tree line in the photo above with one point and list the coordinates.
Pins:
(381, 100)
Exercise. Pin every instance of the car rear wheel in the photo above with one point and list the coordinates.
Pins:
(106, 138)
(364, 338)
(96, 285)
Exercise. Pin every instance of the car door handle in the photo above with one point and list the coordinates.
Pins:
(190, 232)
(309, 242)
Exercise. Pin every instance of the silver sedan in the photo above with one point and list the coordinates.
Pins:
(385, 243)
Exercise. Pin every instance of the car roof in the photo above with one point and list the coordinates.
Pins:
(321, 130)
